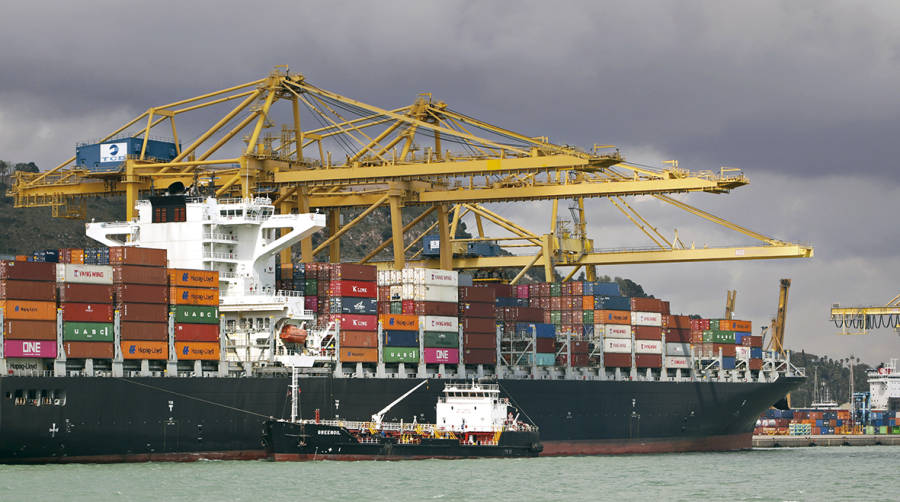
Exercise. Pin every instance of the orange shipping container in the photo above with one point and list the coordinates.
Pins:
(194, 296)
(359, 339)
(145, 350)
(89, 350)
(191, 351)
(399, 321)
(734, 325)
(587, 303)
(612, 317)
(195, 278)
(29, 310)
(358, 355)
(77, 256)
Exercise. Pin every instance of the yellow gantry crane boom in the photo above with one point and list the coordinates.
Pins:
(859, 320)
(362, 157)
(776, 341)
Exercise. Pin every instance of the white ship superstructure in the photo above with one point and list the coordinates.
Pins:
(240, 239)
(884, 385)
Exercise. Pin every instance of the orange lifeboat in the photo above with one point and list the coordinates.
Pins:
(292, 334)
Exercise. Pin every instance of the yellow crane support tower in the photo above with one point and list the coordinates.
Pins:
(730, 297)
(357, 157)
(776, 340)
(859, 320)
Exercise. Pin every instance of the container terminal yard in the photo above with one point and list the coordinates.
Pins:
(196, 318)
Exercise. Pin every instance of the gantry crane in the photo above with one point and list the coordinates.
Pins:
(425, 154)
(730, 297)
(859, 320)
(776, 340)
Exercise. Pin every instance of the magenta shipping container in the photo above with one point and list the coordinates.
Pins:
(441, 356)
(30, 348)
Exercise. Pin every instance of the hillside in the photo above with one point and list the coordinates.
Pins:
(833, 375)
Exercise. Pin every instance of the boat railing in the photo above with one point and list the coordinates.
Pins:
(219, 236)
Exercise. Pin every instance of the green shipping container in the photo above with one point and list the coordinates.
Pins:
(88, 332)
(555, 289)
(540, 359)
(870, 429)
(311, 288)
(400, 355)
(555, 317)
(436, 339)
(714, 324)
(708, 336)
(396, 307)
(883, 429)
(720, 336)
(196, 314)
(588, 317)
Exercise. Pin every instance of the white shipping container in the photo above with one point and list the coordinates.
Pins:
(678, 362)
(678, 349)
(424, 293)
(617, 345)
(646, 319)
(430, 277)
(396, 293)
(612, 331)
(647, 347)
(84, 274)
(439, 323)
(742, 353)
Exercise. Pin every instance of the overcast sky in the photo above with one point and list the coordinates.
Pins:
(799, 95)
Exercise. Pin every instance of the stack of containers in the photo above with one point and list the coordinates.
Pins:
(477, 320)
(429, 292)
(401, 338)
(96, 256)
(441, 339)
(544, 337)
(390, 290)
(28, 298)
(755, 345)
(85, 299)
(612, 325)
(646, 326)
(141, 295)
(354, 287)
(194, 301)
(677, 330)
(71, 255)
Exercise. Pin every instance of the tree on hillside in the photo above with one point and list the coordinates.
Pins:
(27, 167)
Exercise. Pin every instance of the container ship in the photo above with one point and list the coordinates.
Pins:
(178, 338)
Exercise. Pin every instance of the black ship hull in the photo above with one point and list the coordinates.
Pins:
(157, 418)
(311, 441)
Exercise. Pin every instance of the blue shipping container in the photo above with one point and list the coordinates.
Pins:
(348, 305)
(397, 338)
(612, 303)
(110, 155)
(755, 352)
(727, 363)
(431, 245)
(605, 289)
(541, 330)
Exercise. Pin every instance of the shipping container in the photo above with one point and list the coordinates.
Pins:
(30, 348)
(399, 322)
(545, 345)
(735, 325)
(359, 339)
(145, 350)
(678, 362)
(138, 330)
(440, 323)
(431, 277)
(89, 350)
(647, 361)
(617, 360)
(646, 318)
(350, 305)
(192, 278)
(531, 329)
(192, 351)
(479, 341)
(429, 293)
(478, 325)
(475, 294)
(27, 271)
(612, 317)
(741, 353)
(17, 329)
(356, 289)
(676, 321)
(140, 293)
(434, 355)
(145, 312)
(612, 331)
(400, 354)
(617, 345)
(728, 363)
(88, 331)
(137, 256)
(648, 305)
(28, 310)
(185, 332)
(194, 296)
(28, 290)
(358, 355)
(523, 314)
(647, 347)
(137, 274)
(540, 359)
(440, 339)
(401, 338)
(85, 293)
(355, 322)
(479, 356)
(647, 332)
(676, 335)
(726, 349)
(678, 349)
(86, 312)
(352, 272)
(196, 314)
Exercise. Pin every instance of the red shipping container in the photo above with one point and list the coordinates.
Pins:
(21, 329)
(727, 349)
(755, 364)
(136, 274)
(154, 331)
(477, 294)
(384, 308)
(500, 290)
(580, 347)
(128, 255)
(639, 304)
(478, 325)
(311, 303)
(677, 321)
(359, 339)
(87, 312)
(357, 322)
(357, 289)
(88, 350)
(566, 317)
(647, 332)
(547, 317)
(28, 290)
(648, 360)
(384, 293)
(612, 360)
(556, 303)
(523, 314)
(699, 324)
(479, 341)
(28, 271)
(196, 332)
(352, 272)
(577, 288)
(676, 335)
(145, 312)
(522, 291)
(85, 293)
(545, 345)
(487, 310)
(432, 308)
(140, 293)
(480, 356)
